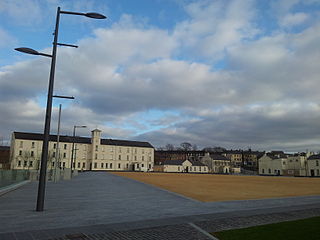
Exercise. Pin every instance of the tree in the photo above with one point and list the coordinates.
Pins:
(169, 147)
(194, 147)
(185, 146)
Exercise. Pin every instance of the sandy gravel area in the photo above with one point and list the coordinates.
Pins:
(209, 187)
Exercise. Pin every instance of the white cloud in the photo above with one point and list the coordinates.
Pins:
(6, 39)
(266, 94)
(294, 19)
(214, 26)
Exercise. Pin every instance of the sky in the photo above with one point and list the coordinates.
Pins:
(231, 73)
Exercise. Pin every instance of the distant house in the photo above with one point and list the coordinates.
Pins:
(296, 165)
(250, 159)
(274, 165)
(4, 157)
(217, 163)
(160, 156)
(235, 156)
(183, 166)
(314, 166)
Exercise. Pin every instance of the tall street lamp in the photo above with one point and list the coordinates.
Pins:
(44, 156)
(73, 150)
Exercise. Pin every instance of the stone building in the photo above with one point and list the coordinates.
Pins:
(4, 157)
(183, 166)
(313, 166)
(217, 163)
(92, 154)
(161, 156)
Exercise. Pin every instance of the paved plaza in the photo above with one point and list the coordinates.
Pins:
(99, 202)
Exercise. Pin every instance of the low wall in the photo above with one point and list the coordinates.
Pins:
(8, 177)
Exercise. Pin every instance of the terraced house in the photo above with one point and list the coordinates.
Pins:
(92, 153)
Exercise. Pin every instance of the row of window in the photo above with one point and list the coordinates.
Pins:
(65, 146)
(32, 154)
(120, 157)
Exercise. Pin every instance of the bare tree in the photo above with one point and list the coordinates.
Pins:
(194, 147)
(185, 146)
(169, 147)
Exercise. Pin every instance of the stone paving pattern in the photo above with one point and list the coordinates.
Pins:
(102, 203)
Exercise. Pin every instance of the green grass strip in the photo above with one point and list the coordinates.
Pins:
(294, 230)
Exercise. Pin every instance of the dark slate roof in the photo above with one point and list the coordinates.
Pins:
(4, 148)
(125, 143)
(233, 152)
(53, 138)
(197, 163)
(173, 162)
(314, 157)
(179, 162)
(219, 157)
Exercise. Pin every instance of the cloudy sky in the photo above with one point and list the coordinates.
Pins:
(231, 73)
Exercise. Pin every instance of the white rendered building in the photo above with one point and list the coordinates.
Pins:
(89, 153)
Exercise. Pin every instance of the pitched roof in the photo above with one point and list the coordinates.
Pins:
(125, 143)
(4, 148)
(196, 163)
(86, 140)
(179, 162)
(317, 156)
(219, 157)
(173, 162)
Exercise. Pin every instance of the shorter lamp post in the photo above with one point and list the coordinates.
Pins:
(73, 140)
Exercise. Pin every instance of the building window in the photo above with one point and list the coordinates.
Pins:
(318, 173)
(262, 170)
(64, 155)
(127, 165)
(96, 156)
(150, 166)
(149, 158)
(120, 149)
(95, 165)
(78, 164)
(106, 165)
(142, 165)
(269, 170)
(127, 157)
(96, 147)
(21, 144)
(32, 145)
(119, 157)
(317, 163)
(135, 158)
(119, 165)
(25, 163)
(54, 154)
(128, 150)
(64, 164)
(178, 168)
(101, 165)
(142, 158)
(19, 163)
(20, 153)
(31, 164)
(54, 146)
(52, 164)
(65, 146)
(110, 165)
(83, 165)
(135, 150)
(32, 154)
